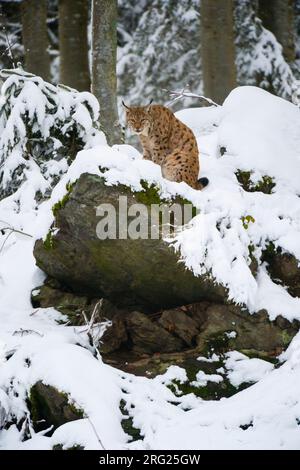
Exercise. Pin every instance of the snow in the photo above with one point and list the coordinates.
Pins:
(214, 358)
(257, 130)
(242, 369)
(29, 103)
(269, 118)
(202, 379)
(231, 334)
(259, 56)
(217, 241)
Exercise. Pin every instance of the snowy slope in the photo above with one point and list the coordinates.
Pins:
(256, 129)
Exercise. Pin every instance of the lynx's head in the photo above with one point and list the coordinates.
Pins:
(138, 118)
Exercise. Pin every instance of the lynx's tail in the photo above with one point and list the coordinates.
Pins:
(203, 182)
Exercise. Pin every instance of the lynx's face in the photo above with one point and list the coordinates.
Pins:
(138, 120)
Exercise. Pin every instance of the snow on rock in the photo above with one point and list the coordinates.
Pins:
(258, 129)
(217, 241)
(202, 379)
(275, 123)
(275, 298)
(242, 369)
(264, 416)
(214, 358)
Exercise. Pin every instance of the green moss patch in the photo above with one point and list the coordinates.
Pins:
(210, 391)
(60, 204)
(150, 195)
(127, 423)
(265, 185)
(49, 240)
(246, 220)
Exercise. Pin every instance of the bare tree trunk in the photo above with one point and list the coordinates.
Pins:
(217, 48)
(35, 37)
(278, 16)
(73, 44)
(104, 79)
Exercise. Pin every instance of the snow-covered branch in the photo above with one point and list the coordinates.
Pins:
(186, 93)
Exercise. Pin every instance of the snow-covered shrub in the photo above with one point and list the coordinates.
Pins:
(259, 58)
(42, 127)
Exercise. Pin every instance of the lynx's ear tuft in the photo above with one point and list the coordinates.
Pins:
(148, 106)
(125, 106)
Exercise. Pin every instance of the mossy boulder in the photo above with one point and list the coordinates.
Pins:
(50, 407)
(143, 273)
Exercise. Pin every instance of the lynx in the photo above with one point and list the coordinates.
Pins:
(167, 142)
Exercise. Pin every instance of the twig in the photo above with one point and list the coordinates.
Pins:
(95, 311)
(11, 230)
(85, 317)
(34, 312)
(93, 337)
(23, 331)
(91, 423)
(185, 93)
(16, 231)
(5, 240)
(9, 48)
(95, 431)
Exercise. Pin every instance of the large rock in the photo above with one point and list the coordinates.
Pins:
(50, 407)
(284, 268)
(142, 274)
(75, 307)
(150, 343)
(149, 337)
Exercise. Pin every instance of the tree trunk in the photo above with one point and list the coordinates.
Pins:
(104, 79)
(73, 44)
(278, 16)
(35, 37)
(217, 48)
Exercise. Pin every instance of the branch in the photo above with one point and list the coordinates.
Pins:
(91, 423)
(22, 332)
(90, 325)
(95, 431)
(185, 93)
(9, 45)
(97, 308)
(11, 230)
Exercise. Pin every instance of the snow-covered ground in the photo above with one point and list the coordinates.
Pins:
(261, 133)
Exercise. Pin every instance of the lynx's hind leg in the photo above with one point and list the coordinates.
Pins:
(181, 167)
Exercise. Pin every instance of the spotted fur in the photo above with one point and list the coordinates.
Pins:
(167, 142)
